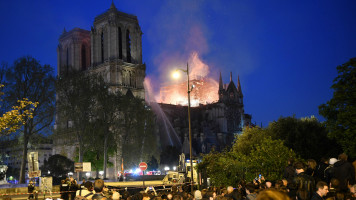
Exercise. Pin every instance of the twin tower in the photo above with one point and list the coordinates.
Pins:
(112, 48)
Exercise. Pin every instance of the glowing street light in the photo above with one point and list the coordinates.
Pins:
(176, 75)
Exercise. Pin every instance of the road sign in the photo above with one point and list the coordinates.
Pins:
(143, 166)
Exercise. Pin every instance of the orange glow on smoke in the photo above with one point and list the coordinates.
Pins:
(204, 92)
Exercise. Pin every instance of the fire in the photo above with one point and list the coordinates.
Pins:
(205, 88)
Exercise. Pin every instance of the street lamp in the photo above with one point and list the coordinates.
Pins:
(177, 75)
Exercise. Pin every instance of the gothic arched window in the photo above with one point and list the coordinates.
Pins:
(120, 42)
(84, 57)
(128, 46)
(102, 46)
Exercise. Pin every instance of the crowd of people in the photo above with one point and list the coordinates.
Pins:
(330, 179)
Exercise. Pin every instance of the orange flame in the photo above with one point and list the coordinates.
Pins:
(205, 88)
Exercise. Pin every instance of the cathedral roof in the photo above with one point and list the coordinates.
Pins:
(231, 87)
(75, 32)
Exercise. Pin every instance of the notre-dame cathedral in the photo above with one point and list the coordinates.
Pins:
(112, 48)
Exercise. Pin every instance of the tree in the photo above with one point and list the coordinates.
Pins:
(14, 119)
(223, 168)
(306, 136)
(137, 136)
(28, 79)
(58, 166)
(340, 110)
(253, 152)
(268, 158)
(102, 119)
(76, 110)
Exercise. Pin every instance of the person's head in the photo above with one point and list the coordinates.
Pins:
(88, 185)
(197, 195)
(145, 196)
(268, 184)
(299, 167)
(272, 194)
(31, 182)
(230, 189)
(169, 196)
(343, 157)
(71, 178)
(332, 161)
(311, 164)
(322, 188)
(115, 196)
(98, 185)
(334, 183)
(285, 182)
(177, 197)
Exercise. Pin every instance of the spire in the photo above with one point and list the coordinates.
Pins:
(112, 5)
(221, 86)
(238, 84)
(64, 30)
(230, 76)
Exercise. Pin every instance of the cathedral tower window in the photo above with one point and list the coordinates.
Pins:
(102, 46)
(120, 42)
(128, 45)
(84, 57)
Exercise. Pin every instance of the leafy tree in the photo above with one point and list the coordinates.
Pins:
(28, 79)
(340, 110)
(14, 119)
(307, 137)
(223, 168)
(58, 165)
(76, 109)
(268, 158)
(103, 120)
(253, 152)
(139, 141)
(246, 142)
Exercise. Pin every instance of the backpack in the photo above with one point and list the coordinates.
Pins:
(80, 197)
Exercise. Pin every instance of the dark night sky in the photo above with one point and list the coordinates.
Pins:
(285, 52)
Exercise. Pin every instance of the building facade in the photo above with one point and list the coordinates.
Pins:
(112, 48)
(214, 125)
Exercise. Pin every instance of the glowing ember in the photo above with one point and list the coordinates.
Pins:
(204, 92)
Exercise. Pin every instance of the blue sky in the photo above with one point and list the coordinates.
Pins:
(285, 52)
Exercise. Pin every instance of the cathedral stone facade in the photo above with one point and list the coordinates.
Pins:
(112, 48)
(213, 125)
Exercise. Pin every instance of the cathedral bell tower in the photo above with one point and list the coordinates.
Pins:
(112, 48)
